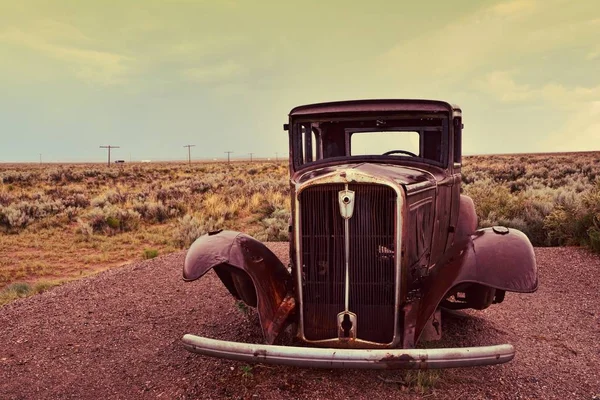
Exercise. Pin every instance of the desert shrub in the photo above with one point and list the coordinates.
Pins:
(71, 213)
(530, 220)
(152, 211)
(575, 220)
(560, 227)
(55, 175)
(221, 205)
(44, 285)
(274, 228)
(262, 206)
(23, 289)
(517, 186)
(110, 197)
(111, 219)
(15, 291)
(84, 228)
(65, 175)
(594, 236)
(159, 212)
(90, 173)
(141, 196)
(197, 186)
(39, 208)
(509, 173)
(18, 177)
(190, 228)
(13, 218)
(150, 253)
(590, 220)
(491, 197)
(72, 175)
(76, 200)
(175, 191)
(176, 208)
(6, 198)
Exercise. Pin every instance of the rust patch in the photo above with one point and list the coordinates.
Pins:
(260, 354)
(403, 361)
(250, 271)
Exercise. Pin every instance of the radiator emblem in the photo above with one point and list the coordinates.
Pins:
(346, 200)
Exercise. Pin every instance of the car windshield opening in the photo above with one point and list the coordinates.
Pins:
(421, 139)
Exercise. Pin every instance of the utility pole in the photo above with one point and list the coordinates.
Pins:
(251, 156)
(276, 157)
(40, 158)
(109, 147)
(189, 154)
(228, 153)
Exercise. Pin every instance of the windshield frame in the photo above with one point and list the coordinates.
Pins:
(298, 143)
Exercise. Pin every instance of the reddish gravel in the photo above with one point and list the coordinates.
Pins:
(117, 335)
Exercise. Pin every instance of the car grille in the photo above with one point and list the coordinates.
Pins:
(371, 261)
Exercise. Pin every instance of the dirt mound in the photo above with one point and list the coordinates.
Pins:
(117, 335)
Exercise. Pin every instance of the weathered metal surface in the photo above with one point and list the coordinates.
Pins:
(351, 358)
(500, 261)
(433, 329)
(337, 181)
(415, 179)
(348, 264)
(377, 106)
(249, 270)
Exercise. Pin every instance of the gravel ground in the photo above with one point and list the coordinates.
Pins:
(117, 335)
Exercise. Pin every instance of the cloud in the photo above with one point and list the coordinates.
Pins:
(214, 74)
(499, 35)
(580, 132)
(502, 86)
(593, 54)
(89, 65)
(514, 8)
(579, 107)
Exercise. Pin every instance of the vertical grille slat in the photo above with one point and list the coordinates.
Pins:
(372, 261)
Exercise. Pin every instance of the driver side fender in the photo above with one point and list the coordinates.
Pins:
(251, 273)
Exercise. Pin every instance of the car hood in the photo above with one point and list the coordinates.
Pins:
(411, 178)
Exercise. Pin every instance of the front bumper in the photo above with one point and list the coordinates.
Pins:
(351, 358)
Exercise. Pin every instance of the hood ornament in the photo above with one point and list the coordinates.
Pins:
(346, 200)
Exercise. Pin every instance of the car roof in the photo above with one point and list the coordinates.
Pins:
(375, 105)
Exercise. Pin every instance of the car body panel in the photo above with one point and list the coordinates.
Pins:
(249, 270)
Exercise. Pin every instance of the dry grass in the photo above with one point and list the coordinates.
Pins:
(64, 221)
(59, 222)
(553, 198)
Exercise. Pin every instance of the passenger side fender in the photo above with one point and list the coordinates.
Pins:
(250, 271)
(498, 257)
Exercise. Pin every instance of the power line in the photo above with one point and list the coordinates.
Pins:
(189, 154)
(109, 147)
(228, 153)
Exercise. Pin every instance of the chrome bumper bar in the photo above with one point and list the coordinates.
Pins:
(351, 358)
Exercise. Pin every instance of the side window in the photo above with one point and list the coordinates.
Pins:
(432, 145)
(311, 143)
(458, 140)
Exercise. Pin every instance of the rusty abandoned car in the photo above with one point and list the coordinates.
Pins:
(380, 241)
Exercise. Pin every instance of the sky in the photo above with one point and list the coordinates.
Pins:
(152, 76)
